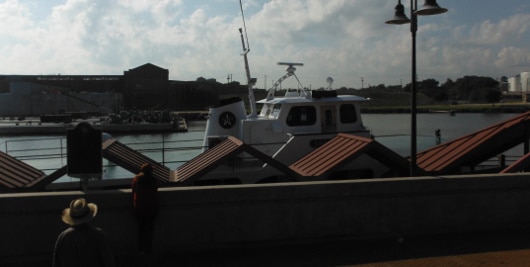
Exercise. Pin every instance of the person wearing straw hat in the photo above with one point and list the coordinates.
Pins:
(82, 244)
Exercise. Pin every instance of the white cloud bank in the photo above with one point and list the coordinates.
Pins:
(344, 39)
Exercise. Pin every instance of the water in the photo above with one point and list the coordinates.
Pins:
(48, 153)
(393, 130)
(450, 126)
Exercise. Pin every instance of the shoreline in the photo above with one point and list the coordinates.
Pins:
(25, 128)
(519, 108)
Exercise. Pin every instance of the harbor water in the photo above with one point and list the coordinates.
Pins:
(48, 153)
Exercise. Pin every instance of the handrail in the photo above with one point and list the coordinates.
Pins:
(165, 148)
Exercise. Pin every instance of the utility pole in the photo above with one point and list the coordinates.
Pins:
(362, 82)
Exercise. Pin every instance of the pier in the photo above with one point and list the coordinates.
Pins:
(34, 127)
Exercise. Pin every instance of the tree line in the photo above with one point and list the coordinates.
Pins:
(204, 93)
(469, 89)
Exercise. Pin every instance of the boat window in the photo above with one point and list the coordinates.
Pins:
(348, 113)
(328, 118)
(303, 115)
(270, 110)
(276, 110)
(266, 110)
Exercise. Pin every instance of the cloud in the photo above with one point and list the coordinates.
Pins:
(513, 57)
(452, 50)
(343, 39)
(491, 48)
(15, 20)
(488, 32)
(332, 38)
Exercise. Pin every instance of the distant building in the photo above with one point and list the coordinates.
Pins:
(519, 83)
(31, 99)
(146, 87)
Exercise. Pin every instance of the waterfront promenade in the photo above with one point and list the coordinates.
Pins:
(485, 249)
(334, 223)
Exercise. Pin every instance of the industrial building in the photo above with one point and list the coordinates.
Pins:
(33, 95)
(519, 85)
(30, 99)
(520, 82)
(146, 87)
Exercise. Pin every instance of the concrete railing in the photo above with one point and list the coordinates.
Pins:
(193, 218)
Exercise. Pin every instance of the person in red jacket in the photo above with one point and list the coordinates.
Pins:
(144, 190)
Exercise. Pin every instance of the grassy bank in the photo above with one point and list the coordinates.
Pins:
(461, 108)
(399, 102)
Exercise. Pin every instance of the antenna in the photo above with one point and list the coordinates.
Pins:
(329, 80)
(291, 69)
(290, 64)
(250, 81)
(244, 24)
(290, 72)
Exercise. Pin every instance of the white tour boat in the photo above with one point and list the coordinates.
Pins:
(286, 128)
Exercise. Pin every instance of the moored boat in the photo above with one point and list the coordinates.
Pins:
(286, 128)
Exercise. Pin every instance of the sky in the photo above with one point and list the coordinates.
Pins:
(343, 39)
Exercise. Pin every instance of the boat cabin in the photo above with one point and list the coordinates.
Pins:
(317, 115)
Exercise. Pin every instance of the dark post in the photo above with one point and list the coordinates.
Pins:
(413, 148)
(438, 135)
(83, 148)
(502, 160)
(429, 8)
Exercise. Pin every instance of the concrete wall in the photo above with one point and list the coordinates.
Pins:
(211, 217)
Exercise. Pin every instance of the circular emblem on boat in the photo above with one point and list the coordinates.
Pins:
(227, 120)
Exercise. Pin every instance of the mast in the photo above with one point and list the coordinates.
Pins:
(250, 81)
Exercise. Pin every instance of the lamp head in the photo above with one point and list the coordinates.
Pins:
(399, 15)
(430, 7)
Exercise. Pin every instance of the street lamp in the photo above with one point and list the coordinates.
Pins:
(430, 7)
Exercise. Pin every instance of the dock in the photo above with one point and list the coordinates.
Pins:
(32, 127)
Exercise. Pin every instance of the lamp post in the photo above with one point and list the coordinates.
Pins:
(430, 7)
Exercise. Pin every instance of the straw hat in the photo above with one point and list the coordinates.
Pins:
(79, 212)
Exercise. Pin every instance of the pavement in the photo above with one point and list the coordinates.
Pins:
(485, 249)
(511, 258)
(505, 248)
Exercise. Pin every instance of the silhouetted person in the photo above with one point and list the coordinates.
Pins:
(82, 244)
(144, 189)
(438, 135)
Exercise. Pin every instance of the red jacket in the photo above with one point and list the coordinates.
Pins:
(144, 190)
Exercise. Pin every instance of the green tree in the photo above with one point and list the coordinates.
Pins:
(493, 96)
(449, 87)
(474, 88)
(429, 87)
